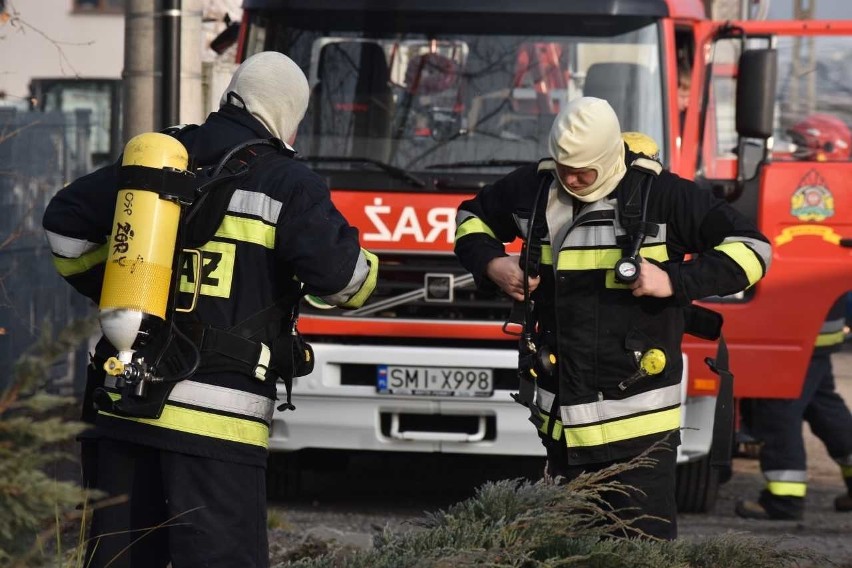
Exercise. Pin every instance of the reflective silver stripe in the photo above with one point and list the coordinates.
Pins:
(590, 236)
(215, 397)
(463, 216)
(262, 362)
(602, 410)
(69, 247)
(794, 475)
(362, 270)
(605, 236)
(257, 204)
(544, 399)
(760, 248)
(833, 326)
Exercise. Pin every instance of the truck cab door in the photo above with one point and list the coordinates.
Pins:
(752, 82)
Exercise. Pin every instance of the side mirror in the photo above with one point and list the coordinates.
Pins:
(756, 81)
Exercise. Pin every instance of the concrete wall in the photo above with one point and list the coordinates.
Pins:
(88, 45)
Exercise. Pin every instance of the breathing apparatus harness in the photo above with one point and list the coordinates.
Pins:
(183, 346)
(536, 357)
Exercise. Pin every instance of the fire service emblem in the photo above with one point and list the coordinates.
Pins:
(812, 200)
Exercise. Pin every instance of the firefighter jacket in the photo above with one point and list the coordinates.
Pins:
(593, 323)
(279, 231)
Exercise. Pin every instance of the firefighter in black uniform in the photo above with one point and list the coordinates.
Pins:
(777, 423)
(604, 353)
(195, 474)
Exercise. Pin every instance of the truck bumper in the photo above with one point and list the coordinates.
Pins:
(333, 415)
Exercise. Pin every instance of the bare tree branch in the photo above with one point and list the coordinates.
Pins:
(13, 17)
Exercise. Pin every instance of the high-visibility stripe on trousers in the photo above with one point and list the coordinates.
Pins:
(786, 482)
(604, 421)
(213, 411)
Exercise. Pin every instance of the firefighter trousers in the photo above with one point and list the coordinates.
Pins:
(188, 510)
(778, 424)
(652, 493)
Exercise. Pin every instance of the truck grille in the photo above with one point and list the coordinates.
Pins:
(405, 274)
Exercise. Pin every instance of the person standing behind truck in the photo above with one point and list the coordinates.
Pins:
(777, 423)
(607, 366)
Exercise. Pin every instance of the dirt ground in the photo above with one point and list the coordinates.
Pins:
(376, 491)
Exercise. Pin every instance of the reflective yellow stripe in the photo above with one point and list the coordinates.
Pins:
(473, 225)
(588, 259)
(624, 429)
(846, 470)
(745, 258)
(829, 339)
(657, 252)
(358, 299)
(247, 230)
(557, 426)
(592, 259)
(205, 424)
(787, 488)
(71, 266)
(546, 254)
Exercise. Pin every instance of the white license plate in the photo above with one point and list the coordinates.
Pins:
(434, 381)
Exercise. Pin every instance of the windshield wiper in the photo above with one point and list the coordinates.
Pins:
(399, 173)
(480, 164)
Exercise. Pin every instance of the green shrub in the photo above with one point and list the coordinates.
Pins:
(519, 524)
(34, 507)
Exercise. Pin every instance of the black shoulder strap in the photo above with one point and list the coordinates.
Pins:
(721, 449)
(522, 312)
(176, 130)
(216, 187)
(632, 197)
(530, 259)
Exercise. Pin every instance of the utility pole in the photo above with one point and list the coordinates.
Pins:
(162, 65)
(140, 74)
(191, 47)
(170, 82)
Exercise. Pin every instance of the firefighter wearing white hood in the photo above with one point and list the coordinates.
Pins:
(592, 398)
(195, 448)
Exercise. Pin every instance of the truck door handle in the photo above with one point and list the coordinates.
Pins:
(846, 242)
(414, 435)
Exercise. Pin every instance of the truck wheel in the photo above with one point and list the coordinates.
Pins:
(283, 476)
(697, 486)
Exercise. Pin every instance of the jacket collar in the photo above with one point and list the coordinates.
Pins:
(222, 130)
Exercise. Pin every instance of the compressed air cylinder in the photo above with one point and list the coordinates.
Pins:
(138, 272)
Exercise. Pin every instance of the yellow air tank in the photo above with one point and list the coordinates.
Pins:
(138, 270)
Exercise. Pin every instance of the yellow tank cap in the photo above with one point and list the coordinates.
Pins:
(113, 367)
(155, 150)
(653, 361)
(641, 143)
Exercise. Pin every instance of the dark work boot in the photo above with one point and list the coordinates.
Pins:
(751, 510)
(771, 507)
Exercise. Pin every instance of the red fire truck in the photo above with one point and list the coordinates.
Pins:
(416, 104)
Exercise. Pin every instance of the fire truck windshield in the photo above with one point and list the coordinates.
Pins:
(423, 102)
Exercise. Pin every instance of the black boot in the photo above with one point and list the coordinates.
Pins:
(772, 507)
